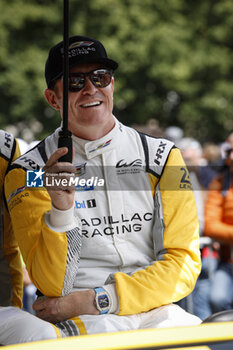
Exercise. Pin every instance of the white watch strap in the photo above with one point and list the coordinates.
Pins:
(113, 298)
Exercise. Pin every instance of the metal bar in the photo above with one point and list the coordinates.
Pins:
(65, 135)
(65, 63)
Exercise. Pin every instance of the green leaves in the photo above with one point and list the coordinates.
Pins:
(175, 60)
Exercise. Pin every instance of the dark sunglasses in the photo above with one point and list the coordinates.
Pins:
(100, 78)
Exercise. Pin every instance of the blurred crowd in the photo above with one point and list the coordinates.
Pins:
(210, 169)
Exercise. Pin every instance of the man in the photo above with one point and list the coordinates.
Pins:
(11, 278)
(118, 249)
(15, 324)
(219, 226)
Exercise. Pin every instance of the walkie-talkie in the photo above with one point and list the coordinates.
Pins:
(65, 135)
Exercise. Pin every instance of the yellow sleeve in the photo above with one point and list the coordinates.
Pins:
(44, 251)
(10, 246)
(173, 274)
(12, 254)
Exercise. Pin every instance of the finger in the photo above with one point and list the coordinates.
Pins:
(55, 156)
(57, 180)
(60, 167)
(38, 305)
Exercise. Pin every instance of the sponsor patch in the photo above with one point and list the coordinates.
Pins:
(13, 194)
(80, 43)
(8, 140)
(133, 167)
(102, 145)
(80, 169)
(159, 152)
(90, 203)
(80, 48)
(185, 182)
(29, 162)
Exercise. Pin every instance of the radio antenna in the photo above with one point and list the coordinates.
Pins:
(65, 135)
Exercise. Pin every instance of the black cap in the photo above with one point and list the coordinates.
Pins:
(82, 49)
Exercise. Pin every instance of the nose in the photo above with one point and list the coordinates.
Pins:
(88, 88)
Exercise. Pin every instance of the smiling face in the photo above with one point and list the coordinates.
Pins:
(90, 109)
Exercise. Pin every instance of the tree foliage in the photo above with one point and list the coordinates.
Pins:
(175, 60)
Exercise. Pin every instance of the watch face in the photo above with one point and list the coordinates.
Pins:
(103, 301)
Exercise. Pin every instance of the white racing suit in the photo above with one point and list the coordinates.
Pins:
(133, 229)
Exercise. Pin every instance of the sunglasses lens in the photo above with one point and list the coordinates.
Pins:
(76, 83)
(101, 77)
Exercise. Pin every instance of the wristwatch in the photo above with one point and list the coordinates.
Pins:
(101, 300)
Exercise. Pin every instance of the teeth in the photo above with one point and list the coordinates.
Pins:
(91, 104)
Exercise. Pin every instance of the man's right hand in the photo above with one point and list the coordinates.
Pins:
(60, 309)
(57, 180)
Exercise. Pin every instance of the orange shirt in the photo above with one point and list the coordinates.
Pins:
(219, 215)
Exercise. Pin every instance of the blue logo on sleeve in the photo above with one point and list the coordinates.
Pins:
(35, 178)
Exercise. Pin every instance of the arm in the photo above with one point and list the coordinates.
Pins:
(59, 309)
(44, 233)
(173, 275)
(10, 246)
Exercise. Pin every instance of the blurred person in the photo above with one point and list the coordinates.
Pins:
(199, 301)
(191, 151)
(174, 133)
(219, 226)
(110, 259)
(11, 278)
(150, 128)
(12, 275)
(212, 163)
(212, 153)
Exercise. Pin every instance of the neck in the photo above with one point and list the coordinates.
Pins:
(93, 132)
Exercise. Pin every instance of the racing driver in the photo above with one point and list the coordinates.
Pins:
(115, 251)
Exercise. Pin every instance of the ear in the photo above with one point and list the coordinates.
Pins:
(51, 97)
